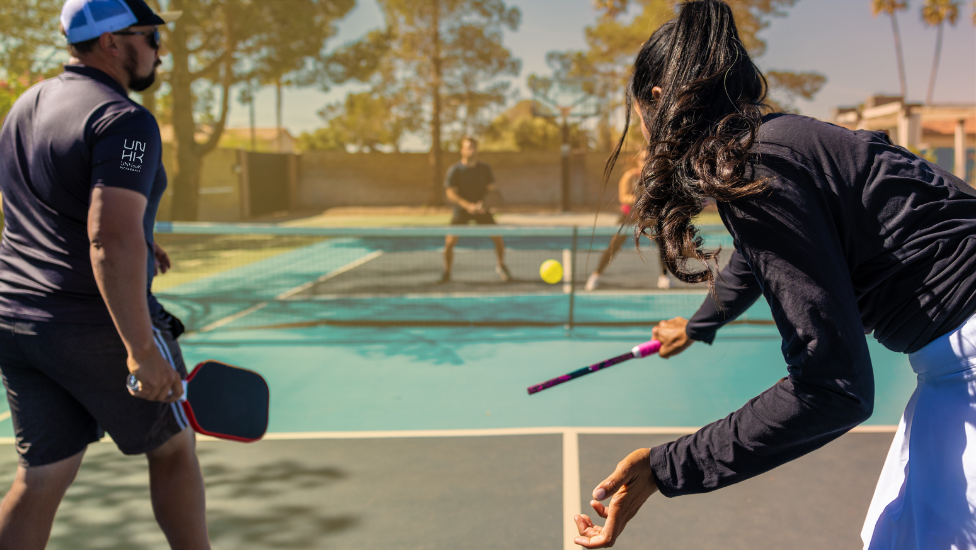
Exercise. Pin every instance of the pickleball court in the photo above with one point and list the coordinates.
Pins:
(399, 416)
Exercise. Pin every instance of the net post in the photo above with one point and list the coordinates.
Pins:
(572, 276)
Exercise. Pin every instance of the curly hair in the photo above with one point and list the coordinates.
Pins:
(701, 100)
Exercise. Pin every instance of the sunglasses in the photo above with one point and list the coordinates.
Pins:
(151, 36)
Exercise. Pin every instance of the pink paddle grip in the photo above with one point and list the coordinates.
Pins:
(647, 348)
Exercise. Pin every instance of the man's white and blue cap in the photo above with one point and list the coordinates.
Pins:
(87, 19)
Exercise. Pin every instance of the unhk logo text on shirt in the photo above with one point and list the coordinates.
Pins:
(132, 155)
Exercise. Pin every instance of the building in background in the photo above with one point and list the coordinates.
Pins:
(945, 134)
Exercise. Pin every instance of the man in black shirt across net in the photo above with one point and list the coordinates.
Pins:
(467, 185)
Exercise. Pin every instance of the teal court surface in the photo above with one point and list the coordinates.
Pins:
(389, 431)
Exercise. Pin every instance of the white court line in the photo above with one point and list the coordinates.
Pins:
(231, 318)
(571, 488)
(335, 273)
(288, 293)
(4, 416)
(491, 432)
(501, 432)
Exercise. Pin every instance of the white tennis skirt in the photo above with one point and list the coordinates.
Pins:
(926, 497)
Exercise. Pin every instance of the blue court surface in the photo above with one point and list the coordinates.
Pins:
(398, 436)
(333, 379)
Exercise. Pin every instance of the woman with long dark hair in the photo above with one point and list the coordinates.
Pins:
(844, 234)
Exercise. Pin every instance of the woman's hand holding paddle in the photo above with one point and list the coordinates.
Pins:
(628, 488)
(672, 335)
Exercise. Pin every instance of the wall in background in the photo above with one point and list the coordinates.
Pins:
(237, 185)
(529, 179)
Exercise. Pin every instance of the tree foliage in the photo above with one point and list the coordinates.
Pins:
(366, 121)
(461, 38)
(623, 25)
(937, 12)
(30, 44)
(888, 7)
(519, 129)
(440, 65)
(217, 44)
(10, 90)
(793, 86)
(322, 139)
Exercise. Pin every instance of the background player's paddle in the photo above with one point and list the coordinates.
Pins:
(643, 350)
(225, 401)
(492, 200)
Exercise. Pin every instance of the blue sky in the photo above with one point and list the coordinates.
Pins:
(838, 38)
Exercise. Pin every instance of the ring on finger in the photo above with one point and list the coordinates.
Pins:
(133, 383)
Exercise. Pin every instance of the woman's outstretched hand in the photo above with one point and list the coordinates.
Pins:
(627, 488)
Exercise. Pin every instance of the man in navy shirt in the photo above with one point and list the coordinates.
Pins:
(467, 185)
(81, 177)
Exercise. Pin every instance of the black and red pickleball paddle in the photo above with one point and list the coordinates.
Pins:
(224, 401)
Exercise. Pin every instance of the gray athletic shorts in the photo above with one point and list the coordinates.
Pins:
(66, 388)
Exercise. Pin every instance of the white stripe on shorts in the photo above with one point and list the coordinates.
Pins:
(177, 408)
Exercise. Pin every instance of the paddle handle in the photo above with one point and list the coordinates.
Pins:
(133, 384)
(643, 350)
(182, 398)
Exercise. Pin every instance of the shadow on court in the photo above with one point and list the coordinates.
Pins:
(460, 493)
(253, 501)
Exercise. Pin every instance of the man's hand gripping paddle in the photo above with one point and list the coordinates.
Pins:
(224, 401)
(643, 350)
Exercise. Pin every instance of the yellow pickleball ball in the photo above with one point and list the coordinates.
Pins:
(551, 271)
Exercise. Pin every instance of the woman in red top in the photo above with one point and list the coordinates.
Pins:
(627, 194)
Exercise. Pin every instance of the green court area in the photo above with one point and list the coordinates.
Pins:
(400, 417)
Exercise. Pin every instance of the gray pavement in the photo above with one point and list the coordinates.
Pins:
(459, 493)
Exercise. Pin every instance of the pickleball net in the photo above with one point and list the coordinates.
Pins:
(248, 276)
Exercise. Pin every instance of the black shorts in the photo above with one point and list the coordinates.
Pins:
(66, 388)
(462, 217)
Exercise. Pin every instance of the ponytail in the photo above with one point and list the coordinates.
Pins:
(700, 129)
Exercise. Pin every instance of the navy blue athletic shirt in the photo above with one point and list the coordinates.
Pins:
(471, 182)
(852, 235)
(64, 137)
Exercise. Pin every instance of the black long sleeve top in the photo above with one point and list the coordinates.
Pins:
(736, 289)
(851, 235)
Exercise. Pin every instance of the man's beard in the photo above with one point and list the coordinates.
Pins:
(138, 83)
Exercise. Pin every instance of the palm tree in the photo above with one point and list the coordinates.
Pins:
(889, 7)
(935, 13)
